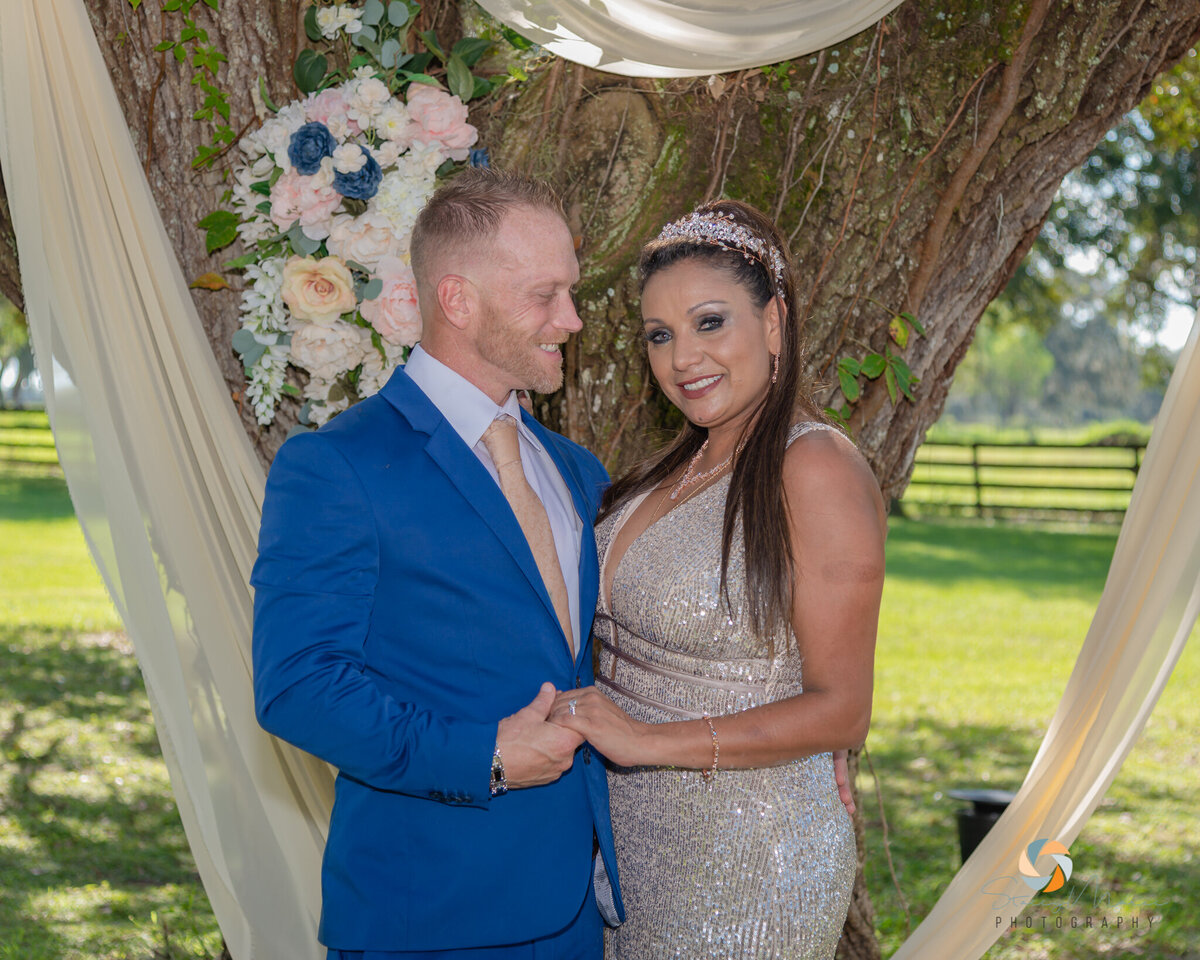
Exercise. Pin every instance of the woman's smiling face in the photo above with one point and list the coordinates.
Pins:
(709, 346)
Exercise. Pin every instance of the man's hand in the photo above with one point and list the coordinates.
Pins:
(841, 774)
(535, 751)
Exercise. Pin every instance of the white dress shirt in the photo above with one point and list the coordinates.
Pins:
(470, 412)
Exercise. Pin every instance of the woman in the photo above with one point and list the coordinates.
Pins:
(741, 571)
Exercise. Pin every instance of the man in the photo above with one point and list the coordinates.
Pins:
(426, 580)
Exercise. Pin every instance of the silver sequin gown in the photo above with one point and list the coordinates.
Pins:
(759, 863)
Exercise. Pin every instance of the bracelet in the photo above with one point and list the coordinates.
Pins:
(707, 775)
(499, 781)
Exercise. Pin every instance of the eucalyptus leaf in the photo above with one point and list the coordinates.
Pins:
(389, 52)
(302, 242)
(399, 14)
(458, 76)
(244, 340)
(304, 413)
(372, 12)
(372, 289)
(365, 36)
(304, 426)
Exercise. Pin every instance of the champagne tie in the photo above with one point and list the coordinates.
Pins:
(502, 443)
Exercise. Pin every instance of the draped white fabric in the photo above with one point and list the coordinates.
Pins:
(162, 476)
(169, 495)
(656, 38)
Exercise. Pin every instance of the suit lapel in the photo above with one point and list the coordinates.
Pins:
(470, 477)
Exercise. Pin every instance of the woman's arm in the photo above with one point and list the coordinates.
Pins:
(837, 527)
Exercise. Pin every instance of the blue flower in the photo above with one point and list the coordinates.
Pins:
(363, 183)
(309, 145)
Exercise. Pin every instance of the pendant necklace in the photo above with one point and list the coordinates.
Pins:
(689, 478)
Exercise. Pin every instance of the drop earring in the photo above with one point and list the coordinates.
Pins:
(775, 368)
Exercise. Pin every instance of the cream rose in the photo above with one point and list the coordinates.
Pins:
(317, 290)
(394, 313)
(326, 352)
(364, 239)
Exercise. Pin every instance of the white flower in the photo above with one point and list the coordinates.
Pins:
(394, 123)
(327, 351)
(402, 193)
(365, 99)
(349, 158)
(276, 133)
(376, 369)
(364, 239)
(388, 153)
(341, 17)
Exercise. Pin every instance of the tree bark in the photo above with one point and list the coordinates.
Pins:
(912, 165)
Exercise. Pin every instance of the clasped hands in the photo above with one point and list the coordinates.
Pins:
(539, 741)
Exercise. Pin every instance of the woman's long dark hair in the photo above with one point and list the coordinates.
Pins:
(756, 484)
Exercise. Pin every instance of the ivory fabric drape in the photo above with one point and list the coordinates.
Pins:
(162, 476)
(169, 496)
(657, 38)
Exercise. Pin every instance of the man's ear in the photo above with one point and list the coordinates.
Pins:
(458, 300)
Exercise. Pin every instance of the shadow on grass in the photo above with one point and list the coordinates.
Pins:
(68, 826)
(917, 764)
(34, 498)
(1032, 559)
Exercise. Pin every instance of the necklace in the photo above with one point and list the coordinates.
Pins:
(689, 478)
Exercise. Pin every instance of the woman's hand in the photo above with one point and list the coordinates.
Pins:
(607, 727)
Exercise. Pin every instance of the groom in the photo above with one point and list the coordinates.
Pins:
(425, 581)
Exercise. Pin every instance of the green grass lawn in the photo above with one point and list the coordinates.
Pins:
(980, 629)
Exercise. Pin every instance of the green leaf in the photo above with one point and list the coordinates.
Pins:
(311, 30)
(889, 377)
(365, 40)
(516, 39)
(849, 364)
(904, 377)
(135, 3)
(248, 348)
(220, 228)
(264, 207)
(237, 263)
(459, 79)
(372, 12)
(898, 330)
(872, 365)
(431, 43)
(471, 49)
(165, 45)
(483, 87)
(838, 417)
(261, 187)
(419, 78)
(291, 390)
(912, 322)
(420, 62)
(389, 52)
(848, 384)
(309, 70)
(372, 289)
(213, 4)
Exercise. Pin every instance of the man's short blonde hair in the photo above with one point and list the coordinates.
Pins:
(465, 214)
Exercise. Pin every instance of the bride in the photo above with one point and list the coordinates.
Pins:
(741, 575)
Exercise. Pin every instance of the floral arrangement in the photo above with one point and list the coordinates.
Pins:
(324, 196)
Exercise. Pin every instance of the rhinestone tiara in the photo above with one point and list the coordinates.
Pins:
(721, 230)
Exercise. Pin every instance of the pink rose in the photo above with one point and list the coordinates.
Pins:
(327, 352)
(442, 119)
(395, 313)
(329, 107)
(311, 200)
(317, 290)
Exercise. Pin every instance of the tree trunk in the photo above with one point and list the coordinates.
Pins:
(912, 166)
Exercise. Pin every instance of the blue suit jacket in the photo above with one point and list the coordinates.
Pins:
(398, 616)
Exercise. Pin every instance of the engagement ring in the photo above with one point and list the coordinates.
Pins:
(571, 707)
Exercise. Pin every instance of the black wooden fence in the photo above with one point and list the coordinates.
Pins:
(1029, 478)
